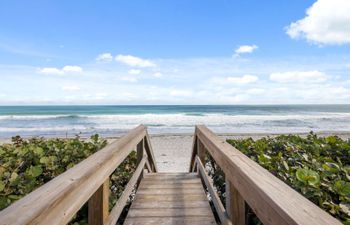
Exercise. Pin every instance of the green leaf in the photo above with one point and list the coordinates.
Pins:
(2, 185)
(35, 171)
(13, 177)
(342, 188)
(331, 167)
(308, 176)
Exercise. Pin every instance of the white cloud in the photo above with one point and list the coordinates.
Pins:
(326, 22)
(134, 72)
(50, 71)
(255, 91)
(104, 57)
(181, 93)
(70, 88)
(72, 69)
(299, 76)
(134, 61)
(129, 79)
(158, 74)
(64, 70)
(246, 79)
(243, 49)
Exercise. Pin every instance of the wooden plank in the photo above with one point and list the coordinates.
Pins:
(273, 201)
(98, 205)
(171, 221)
(140, 156)
(149, 151)
(181, 197)
(57, 201)
(145, 203)
(172, 178)
(171, 185)
(169, 181)
(173, 203)
(235, 205)
(201, 151)
(119, 206)
(170, 212)
(170, 191)
(224, 219)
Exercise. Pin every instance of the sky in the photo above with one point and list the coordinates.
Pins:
(174, 52)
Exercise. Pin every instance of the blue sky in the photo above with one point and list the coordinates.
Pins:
(174, 52)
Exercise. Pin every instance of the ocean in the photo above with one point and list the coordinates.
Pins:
(110, 121)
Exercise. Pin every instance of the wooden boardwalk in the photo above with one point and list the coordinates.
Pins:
(166, 198)
(170, 198)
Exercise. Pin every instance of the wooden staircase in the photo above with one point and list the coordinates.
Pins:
(170, 198)
(166, 198)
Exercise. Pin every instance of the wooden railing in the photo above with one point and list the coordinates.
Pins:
(58, 201)
(273, 201)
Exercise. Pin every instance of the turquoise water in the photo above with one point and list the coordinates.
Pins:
(114, 120)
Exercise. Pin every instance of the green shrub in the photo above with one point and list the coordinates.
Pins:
(317, 167)
(28, 164)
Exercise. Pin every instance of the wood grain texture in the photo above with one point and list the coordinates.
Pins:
(273, 201)
(165, 199)
(235, 205)
(220, 209)
(98, 205)
(119, 206)
(57, 201)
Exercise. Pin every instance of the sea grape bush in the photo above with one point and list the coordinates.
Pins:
(28, 164)
(317, 167)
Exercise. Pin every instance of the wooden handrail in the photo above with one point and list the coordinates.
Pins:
(224, 219)
(57, 201)
(273, 201)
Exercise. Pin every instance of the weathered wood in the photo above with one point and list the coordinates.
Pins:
(235, 205)
(139, 156)
(149, 151)
(200, 151)
(273, 201)
(119, 206)
(171, 221)
(194, 154)
(57, 201)
(98, 205)
(220, 209)
(171, 204)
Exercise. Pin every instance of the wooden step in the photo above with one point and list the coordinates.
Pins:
(170, 198)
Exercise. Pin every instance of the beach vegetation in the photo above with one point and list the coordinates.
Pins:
(316, 167)
(27, 164)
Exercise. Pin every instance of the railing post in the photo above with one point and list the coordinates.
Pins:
(140, 152)
(201, 151)
(235, 204)
(98, 205)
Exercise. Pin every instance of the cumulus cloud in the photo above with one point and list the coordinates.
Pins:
(129, 79)
(243, 49)
(326, 22)
(134, 71)
(72, 69)
(64, 70)
(246, 79)
(314, 76)
(104, 57)
(134, 61)
(158, 74)
(70, 88)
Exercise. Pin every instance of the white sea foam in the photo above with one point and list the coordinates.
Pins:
(178, 122)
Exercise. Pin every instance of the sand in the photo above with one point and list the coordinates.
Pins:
(172, 152)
